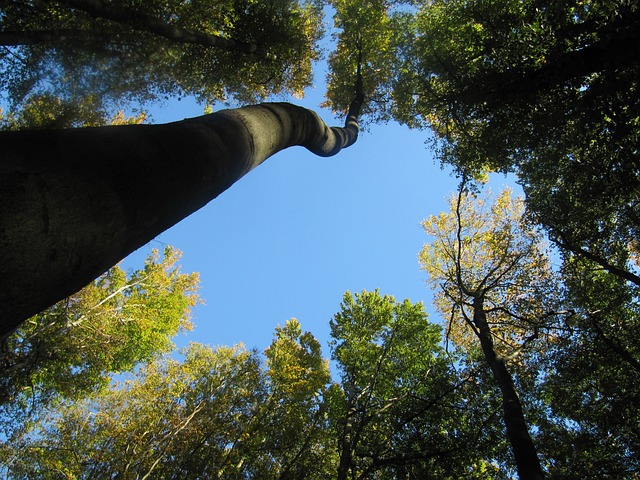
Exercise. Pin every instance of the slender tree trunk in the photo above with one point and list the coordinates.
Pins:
(75, 202)
(346, 445)
(138, 20)
(524, 451)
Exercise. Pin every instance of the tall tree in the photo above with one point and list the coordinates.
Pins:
(365, 46)
(75, 202)
(493, 282)
(548, 91)
(110, 326)
(398, 410)
(125, 51)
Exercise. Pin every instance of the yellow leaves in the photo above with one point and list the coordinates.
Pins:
(481, 248)
(295, 362)
(120, 119)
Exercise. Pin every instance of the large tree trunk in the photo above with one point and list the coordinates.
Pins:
(524, 451)
(75, 202)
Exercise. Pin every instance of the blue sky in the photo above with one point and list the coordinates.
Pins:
(293, 235)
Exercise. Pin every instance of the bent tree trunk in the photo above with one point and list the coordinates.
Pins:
(75, 202)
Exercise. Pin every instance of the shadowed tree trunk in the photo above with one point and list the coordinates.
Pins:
(484, 256)
(75, 202)
(524, 451)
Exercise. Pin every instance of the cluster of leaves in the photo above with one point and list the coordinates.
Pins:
(401, 410)
(46, 112)
(482, 247)
(365, 46)
(68, 49)
(113, 324)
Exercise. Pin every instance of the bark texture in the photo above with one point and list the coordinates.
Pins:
(75, 202)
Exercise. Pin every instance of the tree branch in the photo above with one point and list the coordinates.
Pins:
(139, 21)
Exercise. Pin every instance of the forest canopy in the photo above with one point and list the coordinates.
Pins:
(535, 370)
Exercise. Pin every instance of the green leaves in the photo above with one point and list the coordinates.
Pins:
(110, 326)
(366, 45)
(214, 413)
(395, 408)
(115, 53)
(224, 412)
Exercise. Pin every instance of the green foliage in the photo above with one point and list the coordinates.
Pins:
(294, 415)
(495, 286)
(371, 37)
(121, 62)
(217, 413)
(225, 413)
(173, 420)
(110, 326)
(575, 368)
(499, 80)
(46, 111)
(398, 411)
(547, 91)
(590, 382)
(364, 46)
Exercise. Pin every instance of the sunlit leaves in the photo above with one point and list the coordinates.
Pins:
(214, 413)
(121, 62)
(111, 325)
(397, 404)
(295, 363)
(366, 44)
(174, 420)
(46, 111)
(230, 413)
(483, 248)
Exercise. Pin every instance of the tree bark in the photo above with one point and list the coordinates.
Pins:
(524, 451)
(75, 202)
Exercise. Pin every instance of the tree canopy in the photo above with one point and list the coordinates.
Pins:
(124, 51)
(397, 409)
(545, 90)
